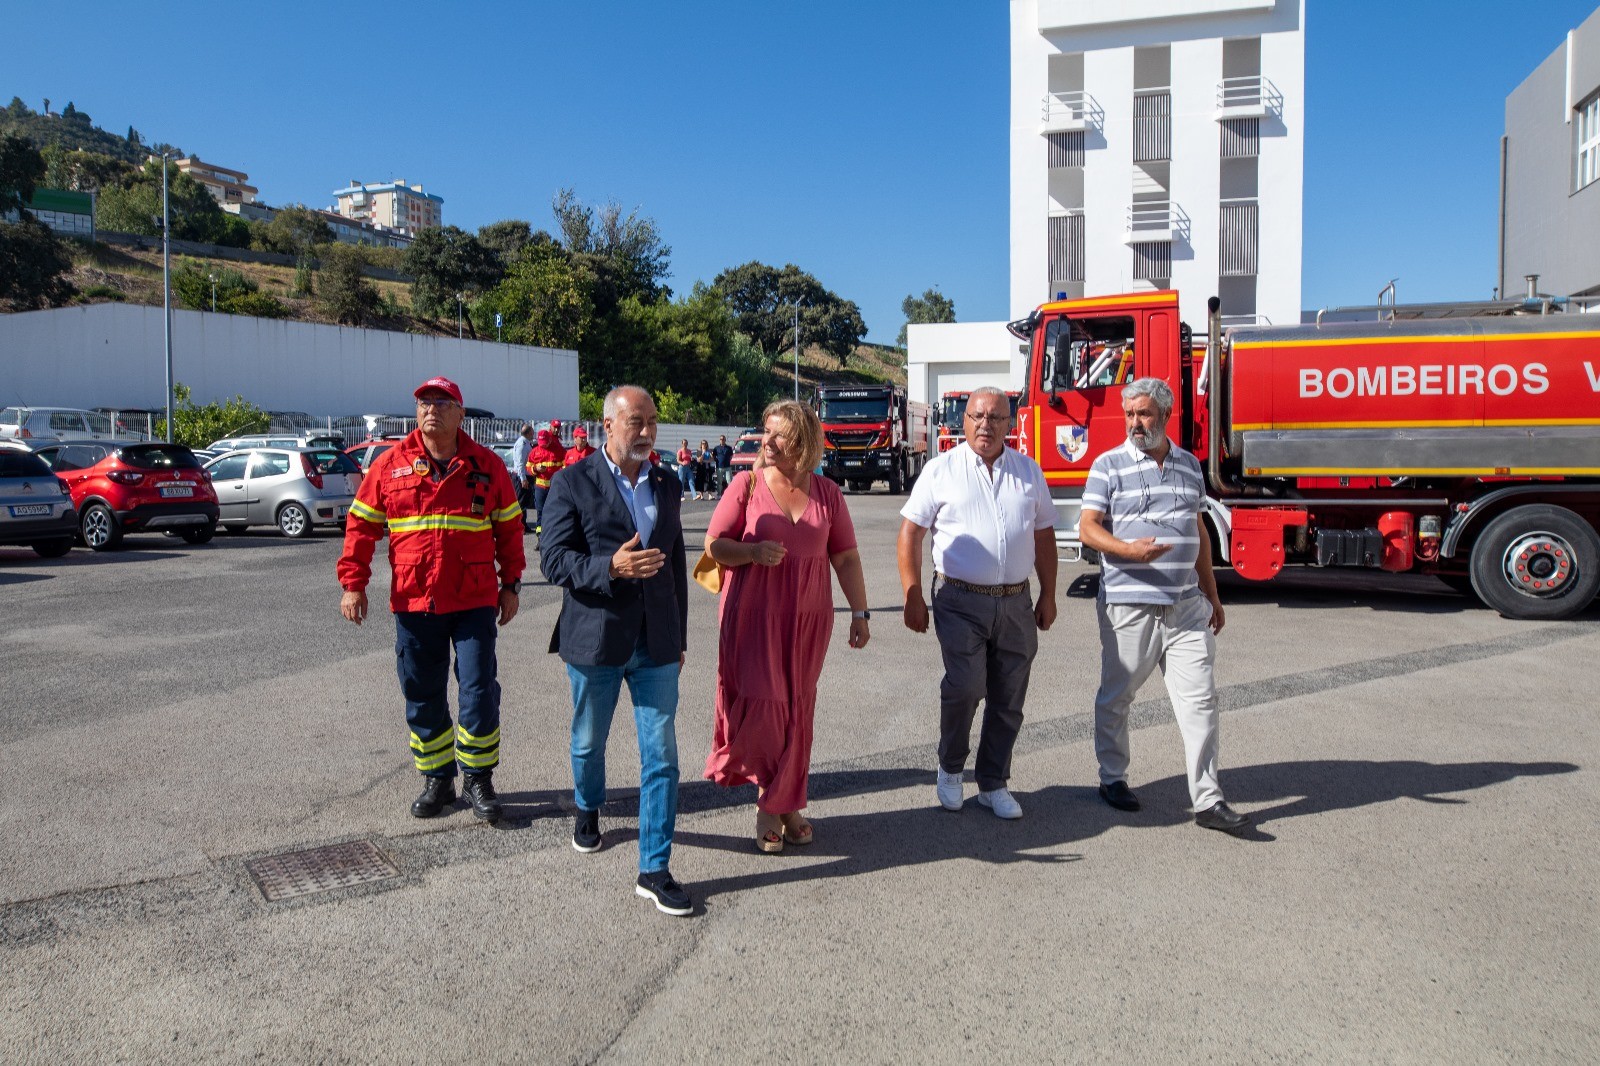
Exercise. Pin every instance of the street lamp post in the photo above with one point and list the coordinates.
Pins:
(166, 284)
(461, 299)
(213, 294)
(796, 353)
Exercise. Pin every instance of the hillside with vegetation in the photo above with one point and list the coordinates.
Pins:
(595, 282)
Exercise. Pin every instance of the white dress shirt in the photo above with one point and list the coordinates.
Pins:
(983, 519)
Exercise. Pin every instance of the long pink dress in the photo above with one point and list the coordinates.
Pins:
(775, 622)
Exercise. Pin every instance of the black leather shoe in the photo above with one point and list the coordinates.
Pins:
(437, 794)
(668, 896)
(1222, 817)
(479, 788)
(586, 831)
(1120, 796)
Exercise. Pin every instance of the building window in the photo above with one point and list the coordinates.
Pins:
(1152, 261)
(1588, 143)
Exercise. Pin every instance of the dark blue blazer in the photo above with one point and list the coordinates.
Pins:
(585, 520)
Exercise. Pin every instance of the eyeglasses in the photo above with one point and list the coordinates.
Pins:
(440, 405)
(991, 420)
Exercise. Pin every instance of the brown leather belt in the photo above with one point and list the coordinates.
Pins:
(996, 591)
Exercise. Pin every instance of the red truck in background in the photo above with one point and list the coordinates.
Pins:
(872, 433)
(1467, 448)
(953, 407)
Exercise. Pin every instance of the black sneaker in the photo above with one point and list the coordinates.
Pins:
(1120, 796)
(437, 794)
(668, 896)
(1224, 818)
(586, 831)
(479, 788)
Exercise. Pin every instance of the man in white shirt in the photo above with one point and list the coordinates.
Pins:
(993, 522)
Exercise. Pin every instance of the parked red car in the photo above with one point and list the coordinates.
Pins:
(369, 449)
(122, 488)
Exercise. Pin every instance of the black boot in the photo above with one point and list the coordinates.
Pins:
(437, 794)
(479, 788)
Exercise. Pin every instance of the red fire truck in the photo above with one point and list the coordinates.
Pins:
(1468, 447)
(953, 406)
(872, 433)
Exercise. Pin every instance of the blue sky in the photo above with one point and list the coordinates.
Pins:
(865, 141)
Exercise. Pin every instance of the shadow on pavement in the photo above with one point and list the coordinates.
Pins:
(20, 579)
(1063, 815)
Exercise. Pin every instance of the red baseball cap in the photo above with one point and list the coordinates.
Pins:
(581, 432)
(444, 385)
(555, 423)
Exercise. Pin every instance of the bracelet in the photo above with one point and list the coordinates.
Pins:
(863, 615)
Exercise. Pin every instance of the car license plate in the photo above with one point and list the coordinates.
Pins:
(28, 510)
(852, 462)
(177, 490)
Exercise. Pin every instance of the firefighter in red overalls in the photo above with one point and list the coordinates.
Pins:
(455, 547)
(543, 462)
(581, 448)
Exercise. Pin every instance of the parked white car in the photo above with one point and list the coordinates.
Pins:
(295, 489)
(49, 425)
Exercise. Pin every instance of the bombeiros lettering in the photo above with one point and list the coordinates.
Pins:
(1429, 379)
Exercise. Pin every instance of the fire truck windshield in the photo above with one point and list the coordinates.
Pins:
(865, 409)
(954, 408)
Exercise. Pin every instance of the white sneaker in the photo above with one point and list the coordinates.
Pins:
(949, 790)
(1001, 802)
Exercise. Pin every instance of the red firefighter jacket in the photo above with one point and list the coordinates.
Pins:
(577, 454)
(445, 537)
(545, 459)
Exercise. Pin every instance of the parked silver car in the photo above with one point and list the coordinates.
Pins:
(48, 425)
(295, 489)
(35, 506)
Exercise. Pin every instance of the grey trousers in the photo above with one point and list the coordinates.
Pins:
(988, 645)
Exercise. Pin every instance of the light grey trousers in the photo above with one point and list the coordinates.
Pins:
(1134, 640)
(988, 644)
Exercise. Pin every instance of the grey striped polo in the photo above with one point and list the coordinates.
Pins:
(1143, 498)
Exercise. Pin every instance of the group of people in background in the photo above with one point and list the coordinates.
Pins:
(781, 533)
(705, 471)
(536, 461)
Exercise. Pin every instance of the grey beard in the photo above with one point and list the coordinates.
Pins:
(1153, 440)
(640, 451)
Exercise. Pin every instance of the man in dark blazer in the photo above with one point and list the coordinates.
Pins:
(613, 540)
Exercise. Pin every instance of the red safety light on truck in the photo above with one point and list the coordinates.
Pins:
(1467, 448)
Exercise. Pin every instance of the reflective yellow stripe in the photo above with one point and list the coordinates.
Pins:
(477, 760)
(425, 746)
(420, 523)
(366, 512)
(464, 737)
(433, 762)
(507, 513)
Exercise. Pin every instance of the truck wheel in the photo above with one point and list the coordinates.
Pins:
(897, 481)
(1537, 561)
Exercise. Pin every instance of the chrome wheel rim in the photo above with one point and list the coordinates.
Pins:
(292, 520)
(1540, 565)
(96, 527)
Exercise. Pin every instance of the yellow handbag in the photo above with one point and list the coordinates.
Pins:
(707, 571)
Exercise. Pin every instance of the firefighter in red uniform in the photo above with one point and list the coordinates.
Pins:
(543, 462)
(453, 521)
(581, 448)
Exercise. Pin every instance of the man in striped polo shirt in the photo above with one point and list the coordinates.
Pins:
(1158, 600)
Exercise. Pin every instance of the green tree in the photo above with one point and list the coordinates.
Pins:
(631, 244)
(197, 425)
(82, 171)
(931, 306)
(235, 294)
(446, 261)
(545, 301)
(764, 299)
(295, 230)
(347, 297)
(508, 238)
(135, 207)
(33, 261)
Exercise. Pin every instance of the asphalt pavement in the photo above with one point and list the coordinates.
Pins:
(182, 721)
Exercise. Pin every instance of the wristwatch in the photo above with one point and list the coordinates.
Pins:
(513, 587)
(865, 616)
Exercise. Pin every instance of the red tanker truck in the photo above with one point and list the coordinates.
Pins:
(1467, 448)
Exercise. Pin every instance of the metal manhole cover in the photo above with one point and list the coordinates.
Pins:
(304, 873)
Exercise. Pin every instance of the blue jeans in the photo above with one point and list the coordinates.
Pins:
(686, 475)
(422, 658)
(654, 688)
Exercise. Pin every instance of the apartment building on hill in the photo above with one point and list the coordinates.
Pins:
(391, 204)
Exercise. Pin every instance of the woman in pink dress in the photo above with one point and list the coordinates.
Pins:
(777, 531)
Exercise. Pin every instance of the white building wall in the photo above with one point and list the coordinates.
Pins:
(945, 357)
(113, 355)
